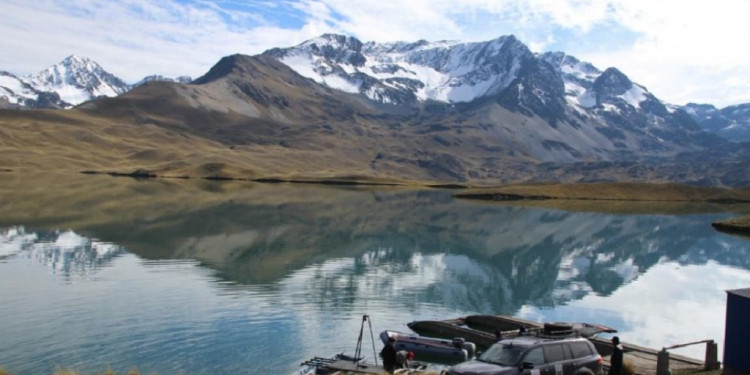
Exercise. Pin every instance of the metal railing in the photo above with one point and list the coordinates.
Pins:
(711, 360)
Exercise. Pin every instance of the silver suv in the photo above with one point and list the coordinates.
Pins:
(533, 355)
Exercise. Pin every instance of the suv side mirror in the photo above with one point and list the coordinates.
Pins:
(527, 366)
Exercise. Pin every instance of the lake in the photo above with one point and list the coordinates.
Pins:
(199, 277)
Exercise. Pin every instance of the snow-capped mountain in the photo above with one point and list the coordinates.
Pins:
(588, 87)
(608, 111)
(732, 123)
(402, 73)
(78, 79)
(70, 82)
(445, 71)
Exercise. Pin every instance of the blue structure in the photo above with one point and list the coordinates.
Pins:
(737, 334)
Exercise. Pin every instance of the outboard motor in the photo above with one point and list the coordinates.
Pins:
(470, 348)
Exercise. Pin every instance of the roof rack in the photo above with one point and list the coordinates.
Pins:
(553, 331)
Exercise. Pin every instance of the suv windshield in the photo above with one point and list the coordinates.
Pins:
(504, 354)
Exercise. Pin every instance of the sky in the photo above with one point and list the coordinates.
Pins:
(680, 50)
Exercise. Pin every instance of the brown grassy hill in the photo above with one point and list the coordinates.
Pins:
(74, 141)
(227, 127)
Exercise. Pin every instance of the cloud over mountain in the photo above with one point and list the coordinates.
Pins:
(648, 40)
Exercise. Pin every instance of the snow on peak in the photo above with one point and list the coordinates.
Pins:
(586, 99)
(77, 79)
(75, 60)
(335, 41)
(14, 90)
(446, 71)
(634, 96)
(72, 81)
(586, 86)
(569, 64)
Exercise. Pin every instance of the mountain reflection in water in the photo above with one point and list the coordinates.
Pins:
(66, 253)
(308, 260)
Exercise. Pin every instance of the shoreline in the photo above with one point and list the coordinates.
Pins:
(611, 191)
(571, 196)
(629, 194)
(737, 225)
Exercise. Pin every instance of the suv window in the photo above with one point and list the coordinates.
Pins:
(503, 354)
(554, 353)
(580, 349)
(535, 356)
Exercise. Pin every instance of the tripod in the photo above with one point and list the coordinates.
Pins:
(358, 350)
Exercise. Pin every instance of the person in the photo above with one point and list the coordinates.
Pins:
(615, 361)
(403, 358)
(389, 355)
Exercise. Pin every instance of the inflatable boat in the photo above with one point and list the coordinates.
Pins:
(456, 349)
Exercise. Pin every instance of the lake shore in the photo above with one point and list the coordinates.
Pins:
(738, 225)
(624, 198)
(609, 197)
(615, 191)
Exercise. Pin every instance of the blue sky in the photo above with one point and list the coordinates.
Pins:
(681, 50)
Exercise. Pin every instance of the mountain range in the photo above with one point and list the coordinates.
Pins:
(396, 73)
(732, 123)
(70, 82)
(334, 107)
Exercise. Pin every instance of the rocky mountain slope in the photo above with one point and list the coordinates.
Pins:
(161, 78)
(483, 113)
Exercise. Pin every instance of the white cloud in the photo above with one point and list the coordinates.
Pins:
(687, 50)
(130, 38)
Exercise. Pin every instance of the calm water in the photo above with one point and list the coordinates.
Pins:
(210, 278)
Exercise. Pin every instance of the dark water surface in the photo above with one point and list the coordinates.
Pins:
(220, 278)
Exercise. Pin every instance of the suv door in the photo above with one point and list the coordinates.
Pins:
(556, 358)
(584, 356)
(535, 357)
